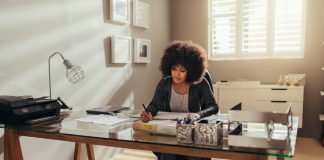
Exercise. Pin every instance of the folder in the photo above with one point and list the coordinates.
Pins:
(167, 127)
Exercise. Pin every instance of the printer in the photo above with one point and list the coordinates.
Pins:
(16, 110)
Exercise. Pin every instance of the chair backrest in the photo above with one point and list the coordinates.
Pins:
(208, 78)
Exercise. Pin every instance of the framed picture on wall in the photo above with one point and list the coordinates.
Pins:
(121, 49)
(120, 11)
(142, 51)
(141, 14)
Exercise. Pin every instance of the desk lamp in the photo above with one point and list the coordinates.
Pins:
(73, 73)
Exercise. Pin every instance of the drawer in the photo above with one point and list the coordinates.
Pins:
(280, 94)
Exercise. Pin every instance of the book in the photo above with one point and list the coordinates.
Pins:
(167, 127)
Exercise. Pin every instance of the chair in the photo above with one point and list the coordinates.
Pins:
(208, 78)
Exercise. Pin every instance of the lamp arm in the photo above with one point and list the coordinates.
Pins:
(49, 71)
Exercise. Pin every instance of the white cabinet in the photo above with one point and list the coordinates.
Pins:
(258, 97)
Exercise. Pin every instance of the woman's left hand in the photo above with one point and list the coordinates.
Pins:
(195, 116)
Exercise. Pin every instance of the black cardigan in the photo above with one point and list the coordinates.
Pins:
(200, 96)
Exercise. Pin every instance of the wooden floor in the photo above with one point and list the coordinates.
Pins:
(306, 149)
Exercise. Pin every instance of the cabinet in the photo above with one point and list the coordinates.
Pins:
(260, 97)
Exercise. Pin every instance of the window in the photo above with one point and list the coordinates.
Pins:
(245, 29)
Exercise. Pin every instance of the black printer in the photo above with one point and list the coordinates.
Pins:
(27, 110)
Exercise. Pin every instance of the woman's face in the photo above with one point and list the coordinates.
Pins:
(179, 74)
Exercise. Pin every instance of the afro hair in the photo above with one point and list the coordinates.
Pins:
(187, 54)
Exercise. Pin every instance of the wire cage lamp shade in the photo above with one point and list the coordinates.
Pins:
(74, 73)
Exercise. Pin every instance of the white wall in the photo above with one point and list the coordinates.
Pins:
(31, 30)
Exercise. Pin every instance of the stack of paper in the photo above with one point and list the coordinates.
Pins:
(102, 119)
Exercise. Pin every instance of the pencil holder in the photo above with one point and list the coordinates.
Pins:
(208, 133)
(185, 132)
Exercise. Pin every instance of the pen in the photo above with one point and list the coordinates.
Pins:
(145, 108)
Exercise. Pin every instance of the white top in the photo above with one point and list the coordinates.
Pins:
(179, 102)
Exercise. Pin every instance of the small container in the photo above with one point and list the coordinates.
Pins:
(281, 81)
(295, 82)
(185, 132)
(287, 81)
(208, 133)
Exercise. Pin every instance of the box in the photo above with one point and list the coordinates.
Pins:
(185, 132)
(208, 133)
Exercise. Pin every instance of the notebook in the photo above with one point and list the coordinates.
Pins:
(106, 109)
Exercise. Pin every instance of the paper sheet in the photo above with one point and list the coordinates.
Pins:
(102, 119)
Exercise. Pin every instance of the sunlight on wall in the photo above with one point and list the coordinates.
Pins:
(32, 31)
(78, 31)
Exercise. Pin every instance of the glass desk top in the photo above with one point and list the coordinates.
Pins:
(124, 132)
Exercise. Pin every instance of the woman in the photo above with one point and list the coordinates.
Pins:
(183, 87)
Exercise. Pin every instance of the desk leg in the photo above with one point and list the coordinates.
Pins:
(322, 137)
(12, 146)
(6, 146)
(90, 152)
(77, 150)
(262, 157)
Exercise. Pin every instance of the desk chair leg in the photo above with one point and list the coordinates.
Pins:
(90, 152)
(77, 150)
(12, 146)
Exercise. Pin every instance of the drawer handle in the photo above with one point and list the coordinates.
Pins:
(279, 89)
(279, 101)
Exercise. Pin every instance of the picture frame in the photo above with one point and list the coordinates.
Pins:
(120, 11)
(141, 14)
(121, 49)
(142, 51)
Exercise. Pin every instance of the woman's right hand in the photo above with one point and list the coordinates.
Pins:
(146, 116)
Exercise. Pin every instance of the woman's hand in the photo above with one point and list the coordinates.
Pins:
(193, 116)
(146, 116)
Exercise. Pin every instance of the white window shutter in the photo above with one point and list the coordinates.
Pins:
(257, 28)
(288, 27)
(254, 27)
(223, 27)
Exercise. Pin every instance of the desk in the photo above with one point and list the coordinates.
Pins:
(124, 136)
